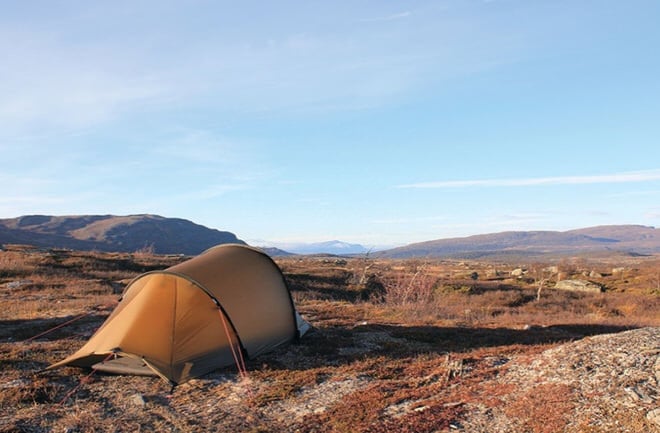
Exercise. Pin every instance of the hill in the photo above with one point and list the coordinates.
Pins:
(629, 239)
(112, 233)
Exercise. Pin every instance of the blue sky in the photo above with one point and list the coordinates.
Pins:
(377, 122)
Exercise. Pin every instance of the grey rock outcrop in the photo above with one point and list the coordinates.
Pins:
(579, 286)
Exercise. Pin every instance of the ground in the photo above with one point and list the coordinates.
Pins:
(405, 346)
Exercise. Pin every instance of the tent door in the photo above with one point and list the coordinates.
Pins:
(125, 365)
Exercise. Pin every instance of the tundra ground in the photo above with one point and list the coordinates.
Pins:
(397, 346)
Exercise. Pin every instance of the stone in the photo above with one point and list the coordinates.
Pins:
(492, 273)
(638, 395)
(551, 269)
(654, 416)
(138, 400)
(18, 284)
(579, 286)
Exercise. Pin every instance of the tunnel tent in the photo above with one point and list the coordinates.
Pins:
(194, 317)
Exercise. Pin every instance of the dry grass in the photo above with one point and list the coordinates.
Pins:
(406, 346)
(544, 408)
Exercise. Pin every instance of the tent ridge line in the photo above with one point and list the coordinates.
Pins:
(174, 313)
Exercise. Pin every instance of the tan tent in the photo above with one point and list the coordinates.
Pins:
(194, 317)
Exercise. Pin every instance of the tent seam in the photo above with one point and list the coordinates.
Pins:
(172, 336)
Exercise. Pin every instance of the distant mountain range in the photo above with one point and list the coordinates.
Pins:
(179, 236)
(113, 233)
(327, 247)
(629, 239)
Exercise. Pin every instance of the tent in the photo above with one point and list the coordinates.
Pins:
(194, 317)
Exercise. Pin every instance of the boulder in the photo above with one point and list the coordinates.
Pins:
(579, 286)
(551, 269)
(492, 273)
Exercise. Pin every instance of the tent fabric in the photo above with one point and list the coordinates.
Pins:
(181, 322)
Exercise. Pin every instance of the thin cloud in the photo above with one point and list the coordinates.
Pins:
(634, 194)
(652, 213)
(391, 17)
(210, 192)
(411, 220)
(524, 217)
(629, 177)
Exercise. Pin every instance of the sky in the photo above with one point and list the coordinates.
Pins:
(376, 122)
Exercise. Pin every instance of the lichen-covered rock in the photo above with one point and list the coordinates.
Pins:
(579, 286)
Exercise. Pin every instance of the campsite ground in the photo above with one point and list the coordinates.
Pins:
(397, 346)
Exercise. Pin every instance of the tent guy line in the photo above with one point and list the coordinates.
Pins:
(170, 323)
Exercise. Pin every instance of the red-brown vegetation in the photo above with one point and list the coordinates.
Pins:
(397, 345)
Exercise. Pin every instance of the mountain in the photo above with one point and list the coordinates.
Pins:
(162, 235)
(275, 252)
(113, 233)
(328, 247)
(631, 239)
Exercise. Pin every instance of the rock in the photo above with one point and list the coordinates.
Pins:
(638, 395)
(579, 286)
(594, 274)
(618, 270)
(551, 269)
(654, 416)
(492, 273)
(16, 383)
(18, 284)
(519, 272)
(138, 400)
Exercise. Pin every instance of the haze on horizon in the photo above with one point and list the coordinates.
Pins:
(375, 123)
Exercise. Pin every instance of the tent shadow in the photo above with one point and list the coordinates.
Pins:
(343, 345)
(56, 328)
(338, 345)
(325, 287)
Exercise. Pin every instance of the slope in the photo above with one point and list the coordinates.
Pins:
(113, 233)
